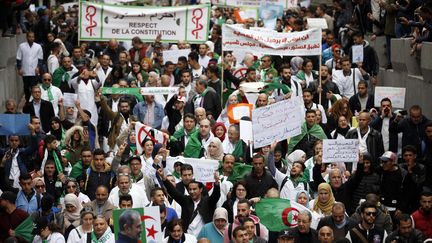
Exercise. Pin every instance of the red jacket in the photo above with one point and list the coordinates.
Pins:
(142, 53)
(422, 222)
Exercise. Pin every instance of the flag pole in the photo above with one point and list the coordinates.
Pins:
(222, 76)
(319, 84)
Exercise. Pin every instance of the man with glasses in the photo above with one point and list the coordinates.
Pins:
(267, 72)
(50, 92)
(366, 230)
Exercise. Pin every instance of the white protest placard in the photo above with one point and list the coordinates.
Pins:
(101, 22)
(173, 55)
(262, 29)
(69, 99)
(240, 111)
(277, 122)
(357, 53)
(159, 90)
(251, 97)
(253, 87)
(319, 23)
(246, 131)
(340, 150)
(154, 232)
(395, 94)
(257, 3)
(203, 168)
(301, 43)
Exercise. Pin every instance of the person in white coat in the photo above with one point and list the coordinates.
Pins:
(80, 233)
(47, 232)
(50, 92)
(103, 69)
(125, 186)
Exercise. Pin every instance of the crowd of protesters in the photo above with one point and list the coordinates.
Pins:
(81, 161)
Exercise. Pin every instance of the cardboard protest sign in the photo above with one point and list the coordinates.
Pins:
(277, 122)
(340, 150)
(16, 124)
(203, 168)
(395, 94)
(237, 111)
(151, 231)
(357, 53)
(301, 43)
(102, 22)
(143, 131)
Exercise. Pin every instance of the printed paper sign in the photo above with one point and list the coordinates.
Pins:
(246, 131)
(173, 55)
(101, 22)
(277, 122)
(340, 150)
(301, 43)
(395, 94)
(69, 99)
(319, 23)
(203, 168)
(159, 90)
(256, 3)
(357, 53)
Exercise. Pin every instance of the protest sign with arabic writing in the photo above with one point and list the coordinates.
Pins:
(301, 43)
(255, 3)
(101, 22)
(340, 150)
(203, 168)
(277, 122)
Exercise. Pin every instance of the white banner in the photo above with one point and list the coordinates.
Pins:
(159, 90)
(340, 150)
(277, 122)
(203, 168)
(101, 22)
(303, 43)
(143, 131)
(396, 95)
(255, 3)
(153, 227)
(173, 55)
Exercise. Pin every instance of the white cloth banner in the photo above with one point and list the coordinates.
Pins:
(277, 122)
(101, 22)
(203, 168)
(159, 90)
(303, 43)
(340, 150)
(396, 95)
(256, 3)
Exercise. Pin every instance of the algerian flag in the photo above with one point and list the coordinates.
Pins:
(25, 229)
(150, 224)
(144, 131)
(279, 214)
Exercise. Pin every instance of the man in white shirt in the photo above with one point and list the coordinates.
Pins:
(187, 83)
(347, 79)
(50, 92)
(197, 69)
(29, 58)
(103, 69)
(203, 58)
(125, 186)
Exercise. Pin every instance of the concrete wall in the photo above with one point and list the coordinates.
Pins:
(11, 85)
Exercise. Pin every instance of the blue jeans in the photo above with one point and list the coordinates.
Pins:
(402, 30)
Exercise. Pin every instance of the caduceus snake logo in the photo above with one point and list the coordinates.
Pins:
(197, 15)
(90, 12)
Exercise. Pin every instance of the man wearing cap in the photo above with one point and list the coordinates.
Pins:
(214, 231)
(174, 109)
(10, 216)
(393, 186)
(285, 236)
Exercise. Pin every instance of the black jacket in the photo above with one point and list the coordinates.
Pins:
(174, 116)
(377, 124)
(338, 233)
(206, 206)
(327, 87)
(355, 105)
(210, 102)
(374, 143)
(258, 186)
(46, 113)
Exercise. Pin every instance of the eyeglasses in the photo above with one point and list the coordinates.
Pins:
(371, 213)
(40, 186)
(69, 187)
(46, 79)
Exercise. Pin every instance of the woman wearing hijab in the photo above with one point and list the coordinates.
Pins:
(219, 130)
(72, 186)
(296, 65)
(214, 231)
(341, 129)
(323, 203)
(214, 150)
(57, 130)
(71, 212)
(303, 198)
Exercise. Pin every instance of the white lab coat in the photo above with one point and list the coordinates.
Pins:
(29, 57)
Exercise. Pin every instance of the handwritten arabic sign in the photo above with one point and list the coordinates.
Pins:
(277, 122)
(203, 168)
(256, 3)
(306, 42)
(159, 90)
(396, 95)
(103, 22)
(340, 150)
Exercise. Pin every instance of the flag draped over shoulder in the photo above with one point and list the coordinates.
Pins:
(240, 170)
(315, 131)
(194, 146)
(278, 214)
(25, 229)
(144, 131)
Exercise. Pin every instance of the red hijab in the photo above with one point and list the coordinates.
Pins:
(216, 125)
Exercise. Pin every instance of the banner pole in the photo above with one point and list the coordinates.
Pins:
(222, 76)
(320, 85)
